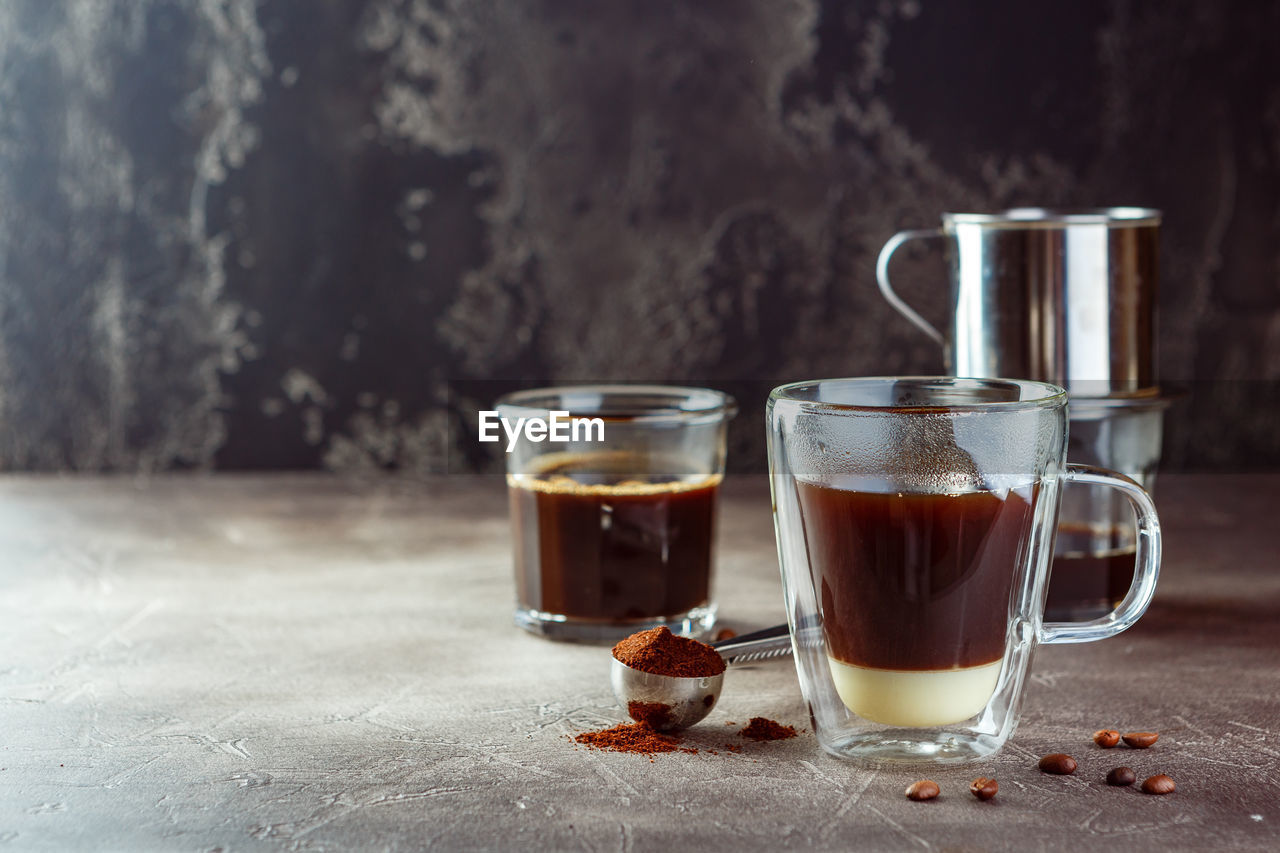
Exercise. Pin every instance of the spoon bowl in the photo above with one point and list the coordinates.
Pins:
(665, 702)
(668, 703)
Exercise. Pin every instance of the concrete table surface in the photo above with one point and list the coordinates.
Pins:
(304, 663)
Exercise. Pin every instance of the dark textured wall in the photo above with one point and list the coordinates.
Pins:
(297, 233)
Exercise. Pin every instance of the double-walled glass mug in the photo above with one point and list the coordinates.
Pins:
(915, 520)
(614, 530)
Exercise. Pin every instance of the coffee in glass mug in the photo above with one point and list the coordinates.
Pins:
(915, 519)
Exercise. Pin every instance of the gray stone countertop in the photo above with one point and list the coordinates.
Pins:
(304, 663)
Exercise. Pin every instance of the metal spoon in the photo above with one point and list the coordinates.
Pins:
(688, 700)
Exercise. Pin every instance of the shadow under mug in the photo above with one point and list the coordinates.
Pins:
(915, 519)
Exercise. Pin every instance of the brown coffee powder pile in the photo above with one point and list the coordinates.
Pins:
(660, 652)
(632, 737)
(761, 728)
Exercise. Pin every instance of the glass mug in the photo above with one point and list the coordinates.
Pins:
(615, 533)
(915, 520)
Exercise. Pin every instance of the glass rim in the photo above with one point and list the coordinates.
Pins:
(686, 403)
(1051, 217)
(1049, 395)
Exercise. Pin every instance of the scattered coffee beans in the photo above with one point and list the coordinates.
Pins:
(984, 788)
(1106, 738)
(1061, 764)
(1058, 763)
(1121, 776)
(925, 789)
(1141, 740)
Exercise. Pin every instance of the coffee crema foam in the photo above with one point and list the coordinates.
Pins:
(915, 698)
(554, 474)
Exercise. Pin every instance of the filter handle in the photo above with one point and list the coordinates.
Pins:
(890, 295)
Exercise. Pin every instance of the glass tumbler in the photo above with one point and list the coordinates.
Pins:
(915, 520)
(614, 532)
(1093, 554)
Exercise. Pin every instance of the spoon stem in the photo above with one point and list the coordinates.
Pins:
(759, 645)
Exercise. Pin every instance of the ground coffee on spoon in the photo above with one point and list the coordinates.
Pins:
(660, 652)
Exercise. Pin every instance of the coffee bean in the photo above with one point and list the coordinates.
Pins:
(1106, 738)
(925, 789)
(1058, 763)
(1121, 776)
(1141, 740)
(984, 788)
(1160, 784)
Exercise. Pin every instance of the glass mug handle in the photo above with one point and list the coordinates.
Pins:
(1146, 562)
(891, 296)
